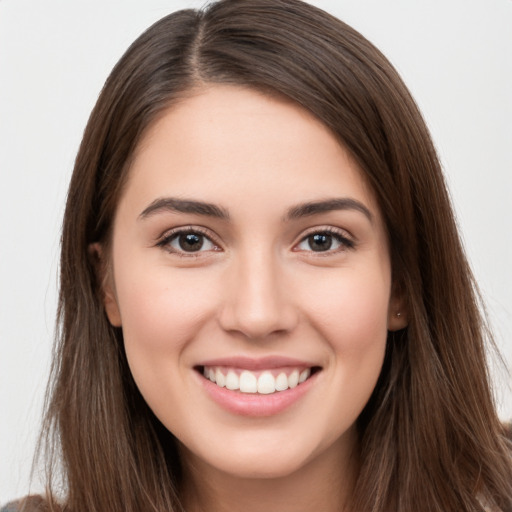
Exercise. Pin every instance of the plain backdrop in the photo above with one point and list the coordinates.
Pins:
(455, 56)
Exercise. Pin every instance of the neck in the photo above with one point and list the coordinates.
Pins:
(324, 483)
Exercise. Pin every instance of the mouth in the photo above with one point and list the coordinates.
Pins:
(257, 382)
(260, 387)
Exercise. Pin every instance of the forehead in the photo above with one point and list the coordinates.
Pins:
(234, 143)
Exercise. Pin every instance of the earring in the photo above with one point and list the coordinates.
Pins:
(399, 314)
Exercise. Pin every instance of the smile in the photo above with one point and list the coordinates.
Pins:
(257, 387)
(263, 382)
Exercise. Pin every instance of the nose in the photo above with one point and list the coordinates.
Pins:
(257, 302)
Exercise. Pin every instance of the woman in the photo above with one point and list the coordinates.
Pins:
(264, 299)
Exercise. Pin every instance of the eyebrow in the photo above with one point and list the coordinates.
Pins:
(173, 204)
(316, 207)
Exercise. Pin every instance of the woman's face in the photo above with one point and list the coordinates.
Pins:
(248, 252)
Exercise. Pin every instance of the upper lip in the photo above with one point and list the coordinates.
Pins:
(262, 363)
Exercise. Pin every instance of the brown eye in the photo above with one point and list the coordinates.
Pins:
(324, 241)
(320, 242)
(190, 241)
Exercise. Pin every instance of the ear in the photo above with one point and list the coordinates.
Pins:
(105, 282)
(398, 317)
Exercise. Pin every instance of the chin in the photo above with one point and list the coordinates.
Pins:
(257, 456)
(262, 468)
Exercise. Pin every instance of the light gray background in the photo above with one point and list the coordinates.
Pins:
(455, 55)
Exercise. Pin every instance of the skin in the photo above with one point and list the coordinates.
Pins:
(257, 289)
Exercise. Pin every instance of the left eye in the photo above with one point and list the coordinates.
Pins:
(324, 241)
(188, 242)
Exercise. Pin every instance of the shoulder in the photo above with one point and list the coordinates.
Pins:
(27, 504)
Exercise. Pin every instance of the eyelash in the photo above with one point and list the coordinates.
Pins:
(338, 235)
(166, 240)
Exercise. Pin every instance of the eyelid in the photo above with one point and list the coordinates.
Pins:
(167, 236)
(347, 240)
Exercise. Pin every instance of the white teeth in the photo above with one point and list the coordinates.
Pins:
(293, 379)
(219, 378)
(303, 375)
(232, 381)
(266, 383)
(281, 382)
(248, 382)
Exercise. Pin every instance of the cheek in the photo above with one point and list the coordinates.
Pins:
(161, 313)
(351, 310)
(352, 320)
(161, 306)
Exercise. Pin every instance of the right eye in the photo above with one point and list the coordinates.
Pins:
(187, 242)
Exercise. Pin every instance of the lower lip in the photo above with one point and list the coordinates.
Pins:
(253, 404)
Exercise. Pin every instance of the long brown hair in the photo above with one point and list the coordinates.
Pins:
(430, 438)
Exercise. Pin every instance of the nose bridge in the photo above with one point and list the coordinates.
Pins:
(256, 302)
